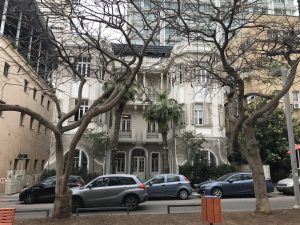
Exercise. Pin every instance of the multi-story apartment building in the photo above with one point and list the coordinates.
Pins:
(25, 75)
(168, 36)
(202, 101)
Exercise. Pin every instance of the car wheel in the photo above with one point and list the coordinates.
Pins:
(29, 199)
(76, 203)
(131, 202)
(217, 192)
(183, 194)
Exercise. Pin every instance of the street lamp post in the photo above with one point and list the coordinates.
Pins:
(291, 140)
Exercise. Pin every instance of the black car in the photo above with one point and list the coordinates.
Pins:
(45, 190)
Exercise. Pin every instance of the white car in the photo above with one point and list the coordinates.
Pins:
(286, 185)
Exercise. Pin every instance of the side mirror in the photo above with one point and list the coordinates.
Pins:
(90, 186)
(149, 183)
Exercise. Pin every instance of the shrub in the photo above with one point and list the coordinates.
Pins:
(47, 173)
(200, 172)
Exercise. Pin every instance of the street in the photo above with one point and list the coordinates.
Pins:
(278, 201)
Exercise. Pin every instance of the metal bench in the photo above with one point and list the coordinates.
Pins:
(7, 216)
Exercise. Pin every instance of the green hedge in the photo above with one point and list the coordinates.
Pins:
(201, 171)
(87, 177)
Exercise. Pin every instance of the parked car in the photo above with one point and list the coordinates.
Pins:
(110, 190)
(286, 185)
(44, 191)
(169, 185)
(231, 184)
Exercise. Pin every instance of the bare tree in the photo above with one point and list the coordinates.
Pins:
(240, 49)
(91, 26)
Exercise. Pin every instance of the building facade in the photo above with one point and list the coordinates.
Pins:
(25, 77)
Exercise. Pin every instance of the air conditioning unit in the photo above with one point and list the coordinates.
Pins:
(296, 105)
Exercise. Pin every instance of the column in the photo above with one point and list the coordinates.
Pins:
(144, 84)
(19, 29)
(161, 82)
(39, 58)
(30, 44)
(4, 15)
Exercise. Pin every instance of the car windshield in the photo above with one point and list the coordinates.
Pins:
(224, 177)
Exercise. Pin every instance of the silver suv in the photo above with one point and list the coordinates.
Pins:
(110, 190)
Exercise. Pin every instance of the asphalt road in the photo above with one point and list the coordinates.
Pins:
(278, 201)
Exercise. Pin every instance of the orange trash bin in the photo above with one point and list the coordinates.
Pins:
(211, 209)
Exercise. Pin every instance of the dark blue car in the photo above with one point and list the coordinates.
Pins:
(233, 184)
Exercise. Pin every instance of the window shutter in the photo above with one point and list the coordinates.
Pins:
(207, 113)
(193, 114)
(71, 106)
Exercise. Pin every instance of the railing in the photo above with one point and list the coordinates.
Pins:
(126, 134)
(186, 205)
(33, 211)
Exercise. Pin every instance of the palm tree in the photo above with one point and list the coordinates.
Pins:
(163, 111)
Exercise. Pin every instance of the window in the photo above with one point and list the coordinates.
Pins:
(154, 162)
(48, 104)
(43, 164)
(101, 182)
(22, 115)
(34, 93)
(84, 66)
(31, 123)
(125, 123)
(35, 164)
(120, 161)
(27, 164)
(39, 127)
(6, 69)
(202, 114)
(126, 180)
(237, 177)
(42, 99)
(1, 113)
(80, 159)
(158, 180)
(82, 109)
(207, 157)
(50, 181)
(172, 178)
(247, 177)
(296, 99)
(198, 114)
(16, 164)
(201, 75)
(151, 127)
(25, 85)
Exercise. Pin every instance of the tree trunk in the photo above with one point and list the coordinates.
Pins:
(115, 138)
(165, 153)
(256, 166)
(62, 203)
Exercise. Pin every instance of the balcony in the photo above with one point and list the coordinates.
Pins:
(151, 137)
(127, 136)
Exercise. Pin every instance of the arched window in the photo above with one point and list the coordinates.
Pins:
(80, 159)
(207, 157)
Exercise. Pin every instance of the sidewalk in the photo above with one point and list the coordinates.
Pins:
(9, 198)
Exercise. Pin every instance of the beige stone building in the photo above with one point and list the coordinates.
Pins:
(25, 72)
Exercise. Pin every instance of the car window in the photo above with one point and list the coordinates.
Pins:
(158, 179)
(237, 177)
(247, 177)
(49, 181)
(127, 180)
(114, 181)
(101, 182)
(173, 178)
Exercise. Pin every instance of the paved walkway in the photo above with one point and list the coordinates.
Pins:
(9, 198)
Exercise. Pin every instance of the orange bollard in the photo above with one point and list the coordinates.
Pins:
(210, 209)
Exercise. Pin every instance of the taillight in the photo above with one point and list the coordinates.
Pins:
(142, 186)
(185, 178)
